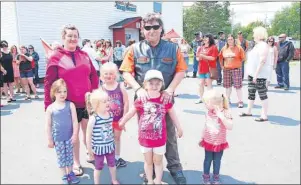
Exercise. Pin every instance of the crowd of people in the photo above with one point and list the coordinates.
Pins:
(83, 91)
(19, 70)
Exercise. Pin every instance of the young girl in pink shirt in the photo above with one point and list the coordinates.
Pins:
(152, 125)
(218, 120)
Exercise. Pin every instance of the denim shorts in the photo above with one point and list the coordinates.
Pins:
(26, 74)
(204, 76)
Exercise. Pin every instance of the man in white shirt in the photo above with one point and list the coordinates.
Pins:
(87, 47)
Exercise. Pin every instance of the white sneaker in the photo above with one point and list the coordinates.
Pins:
(198, 101)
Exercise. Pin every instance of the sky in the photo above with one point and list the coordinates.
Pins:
(246, 12)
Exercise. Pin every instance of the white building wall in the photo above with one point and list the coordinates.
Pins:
(32, 20)
(172, 15)
(9, 30)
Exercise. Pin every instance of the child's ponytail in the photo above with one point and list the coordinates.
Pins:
(88, 103)
(225, 102)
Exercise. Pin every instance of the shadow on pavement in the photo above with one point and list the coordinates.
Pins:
(280, 120)
(5, 112)
(291, 88)
(187, 96)
(235, 105)
(195, 112)
(125, 175)
(281, 91)
(195, 177)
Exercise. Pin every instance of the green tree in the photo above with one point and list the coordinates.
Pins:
(287, 21)
(206, 17)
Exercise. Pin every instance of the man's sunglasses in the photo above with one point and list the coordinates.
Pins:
(155, 27)
(280, 37)
(30, 48)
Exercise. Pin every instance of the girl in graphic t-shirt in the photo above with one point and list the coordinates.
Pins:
(152, 125)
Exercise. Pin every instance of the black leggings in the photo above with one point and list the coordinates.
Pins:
(260, 86)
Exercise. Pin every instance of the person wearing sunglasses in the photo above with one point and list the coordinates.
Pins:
(165, 56)
(35, 68)
(272, 63)
(286, 53)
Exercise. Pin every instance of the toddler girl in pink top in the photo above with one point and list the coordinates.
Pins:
(152, 125)
(218, 120)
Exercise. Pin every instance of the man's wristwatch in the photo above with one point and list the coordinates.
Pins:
(137, 90)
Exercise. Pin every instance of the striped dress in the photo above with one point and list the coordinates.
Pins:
(215, 133)
(103, 136)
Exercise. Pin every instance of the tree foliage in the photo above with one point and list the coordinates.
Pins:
(206, 17)
(247, 31)
(287, 21)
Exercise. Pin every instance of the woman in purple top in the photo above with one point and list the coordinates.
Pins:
(62, 129)
(119, 103)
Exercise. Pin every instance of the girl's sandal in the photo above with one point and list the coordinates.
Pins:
(115, 182)
(240, 104)
(261, 119)
(27, 98)
(244, 114)
(78, 171)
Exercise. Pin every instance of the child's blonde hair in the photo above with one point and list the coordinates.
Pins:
(94, 99)
(56, 86)
(216, 98)
(109, 66)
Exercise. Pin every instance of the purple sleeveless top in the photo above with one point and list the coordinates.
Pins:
(62, 126)
(116, 102)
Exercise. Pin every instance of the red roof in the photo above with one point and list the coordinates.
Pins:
(171, 34)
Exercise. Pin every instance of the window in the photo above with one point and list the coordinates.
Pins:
(157, 7)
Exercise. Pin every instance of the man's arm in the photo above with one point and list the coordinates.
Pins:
(291, 51)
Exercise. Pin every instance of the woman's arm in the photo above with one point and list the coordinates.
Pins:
(263, 52)
(275, 57)
(50, 77)
(28, 58)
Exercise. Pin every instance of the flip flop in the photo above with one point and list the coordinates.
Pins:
(261, 119)
(78, 171)
(244, 114)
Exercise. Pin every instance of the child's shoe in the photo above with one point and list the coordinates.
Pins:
(72, 178)
(216, 179)
(65, 179)
(206, 179)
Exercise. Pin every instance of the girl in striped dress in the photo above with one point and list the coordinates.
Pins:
(218, 120)
(100, 136)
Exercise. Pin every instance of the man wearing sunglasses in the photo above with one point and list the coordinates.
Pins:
(165, 56)
(195, 44)
(285, 54)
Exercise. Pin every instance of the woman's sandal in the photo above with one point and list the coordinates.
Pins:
(78, 171)
(244, 114)
(27, 98)
(261, 119)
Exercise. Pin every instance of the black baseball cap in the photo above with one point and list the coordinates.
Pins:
(240, 32)
(197, 33)
(220, 32)
(30, 47)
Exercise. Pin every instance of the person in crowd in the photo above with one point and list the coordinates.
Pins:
(2, 72)
(109, 52)
(152, 125)
(100, 135)
(273, 59)
(36, 59)
(101, 51)
(119, 103)
(194, 45)
(62, 129)
(118, 53)
(220, 44)
(24, 61)
(87, 47)
(258, 73)
(6, 61)
(131, 42)
(214, 137)
(185, 47)
(231, 57)
(244, 44)
(170, 62)
(286, 53)
(17, 79)
(206, 55)
(75, 67)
